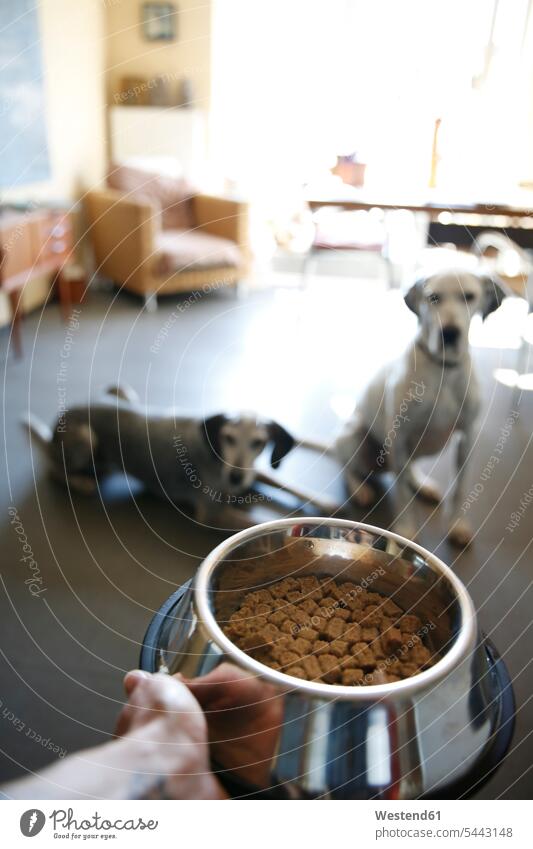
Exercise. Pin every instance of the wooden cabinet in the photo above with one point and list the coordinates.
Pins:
(31, 244)
(52, 239)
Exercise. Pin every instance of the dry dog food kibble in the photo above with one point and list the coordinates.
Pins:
(319, 630)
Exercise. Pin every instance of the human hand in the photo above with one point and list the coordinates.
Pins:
(243, 715)
(166, 723)
(161, 752)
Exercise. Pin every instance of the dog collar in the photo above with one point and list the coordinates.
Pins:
(442, 363)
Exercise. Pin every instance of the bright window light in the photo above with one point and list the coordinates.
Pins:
(296, 83)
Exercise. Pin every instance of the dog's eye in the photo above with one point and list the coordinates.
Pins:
(469, 297)
(257, 444)
(434, 298)
(229, 439)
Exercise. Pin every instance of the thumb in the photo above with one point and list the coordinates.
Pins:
(132, 678)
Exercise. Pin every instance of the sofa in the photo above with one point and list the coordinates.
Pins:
(154, 235)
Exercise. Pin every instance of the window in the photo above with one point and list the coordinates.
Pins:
(297, 81)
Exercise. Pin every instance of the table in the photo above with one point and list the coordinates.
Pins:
(512, 214)
(519, 206)
(32, 243)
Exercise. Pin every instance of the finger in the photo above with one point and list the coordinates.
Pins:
(166, 709)
(162, 693)
(124, 721)
(228, 686)
(125, 717)
(223, 677)
(132, 678)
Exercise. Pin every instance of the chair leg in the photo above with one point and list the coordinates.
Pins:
(389, 271)
(63, 289)
(309, 258)
(385, 256)
(150, 302)
(241, 288)
(522, 364)
(16, 319)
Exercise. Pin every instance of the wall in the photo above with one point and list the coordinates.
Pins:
(128, 54)
(72, 35)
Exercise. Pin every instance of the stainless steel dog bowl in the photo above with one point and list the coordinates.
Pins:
(404, 740)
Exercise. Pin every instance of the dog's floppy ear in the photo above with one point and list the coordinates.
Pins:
(492, 294)
(412, 296)
(282, 441)
(210, 429)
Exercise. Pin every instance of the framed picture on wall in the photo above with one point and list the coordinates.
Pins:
(159, 21)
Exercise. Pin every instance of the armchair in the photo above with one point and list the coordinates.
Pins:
(152, 236)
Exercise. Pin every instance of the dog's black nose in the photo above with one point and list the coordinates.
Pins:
(235, 477)
(450, 335)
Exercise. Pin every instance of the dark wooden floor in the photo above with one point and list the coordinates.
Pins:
(108, 564)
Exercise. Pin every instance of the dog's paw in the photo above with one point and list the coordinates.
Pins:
(423, 486)
(363, 496)
(460, 533)
(428, 491)
(124, 392)
(82, 484)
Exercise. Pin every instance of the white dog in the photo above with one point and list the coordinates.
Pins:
(414, 405)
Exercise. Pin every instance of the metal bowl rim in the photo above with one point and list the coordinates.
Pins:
(463, 644)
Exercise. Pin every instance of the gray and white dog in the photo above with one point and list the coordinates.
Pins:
(414, 405)
(207, 464)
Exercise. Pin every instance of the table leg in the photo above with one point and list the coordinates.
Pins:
(16, 319)
(63, 289)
